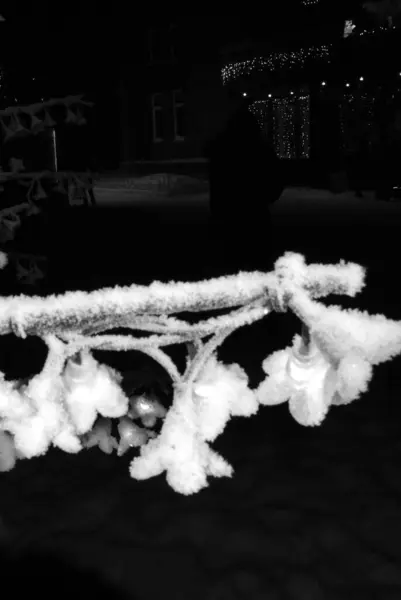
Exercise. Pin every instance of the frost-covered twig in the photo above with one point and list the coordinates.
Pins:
(77, 310)
(331, 364)
(199, 361)
(237, 318)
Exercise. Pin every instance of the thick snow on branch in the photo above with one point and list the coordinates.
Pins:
(310, 382)
(79, 310)
(92, 389)
(199, 415)
(8, 455)
(340, 331)
(56, 408)
(180, 450)
(61, 405)
(318, 279)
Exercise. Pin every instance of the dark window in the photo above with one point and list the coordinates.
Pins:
(158, 118)
(179, 115)
(161, 49)
(179, 43)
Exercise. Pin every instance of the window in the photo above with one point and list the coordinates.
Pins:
(160, 45)
(158, 118)
(179, 43)
(179, 115)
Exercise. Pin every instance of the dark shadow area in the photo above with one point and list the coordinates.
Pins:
(49, 574)
(246, 177)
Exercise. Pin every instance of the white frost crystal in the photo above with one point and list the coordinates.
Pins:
(91, 389)
(180, 450)
(64, 401)
(8, 455)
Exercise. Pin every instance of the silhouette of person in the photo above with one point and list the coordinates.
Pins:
(245, 178)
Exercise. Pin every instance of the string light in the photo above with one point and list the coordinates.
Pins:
(349, 29)
(286, 120)
(297, 59)
(305, 113)
(310, 2)
(276, 61)
(357, 119)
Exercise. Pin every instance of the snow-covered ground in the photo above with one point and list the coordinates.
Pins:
(298, 200)
(302, 203)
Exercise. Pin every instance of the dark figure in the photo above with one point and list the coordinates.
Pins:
(385, 172)
(388, 157)
(245, 178)
(359, 161)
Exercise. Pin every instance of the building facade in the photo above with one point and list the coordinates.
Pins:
(172, 95)
(320, 74)
(327, 84)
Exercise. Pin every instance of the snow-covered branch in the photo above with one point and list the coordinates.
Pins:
(77, 311)
(72, 402)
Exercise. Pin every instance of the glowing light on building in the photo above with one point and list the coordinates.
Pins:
(276, 61)
(286, 122)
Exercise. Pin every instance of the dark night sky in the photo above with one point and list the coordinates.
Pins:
(81, 43)
(66, 49)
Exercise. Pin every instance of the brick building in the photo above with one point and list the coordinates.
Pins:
(171, 93)
(326, 79)
(312, 79)
(175, 78)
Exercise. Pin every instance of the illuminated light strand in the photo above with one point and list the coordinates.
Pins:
(275, 61)
(290, 136)
(277, 115)
(290, 60)
(350, 27)
(375, 31)
(362, 108)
